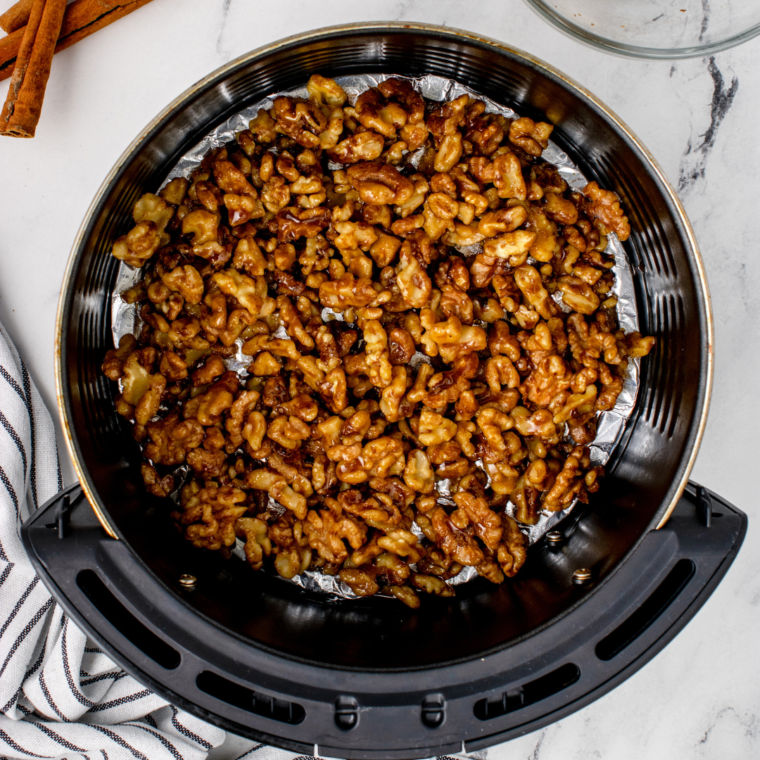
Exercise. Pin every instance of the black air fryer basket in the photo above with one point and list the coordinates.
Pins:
(370, 678)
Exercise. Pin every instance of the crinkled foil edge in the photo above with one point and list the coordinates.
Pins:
(611, 424)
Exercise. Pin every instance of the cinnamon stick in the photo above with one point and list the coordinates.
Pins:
(16, 16)
(23, 105)
(81, 19)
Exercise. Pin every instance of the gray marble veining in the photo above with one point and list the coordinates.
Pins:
(700, 698)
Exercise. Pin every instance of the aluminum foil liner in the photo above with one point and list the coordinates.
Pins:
(610, 424)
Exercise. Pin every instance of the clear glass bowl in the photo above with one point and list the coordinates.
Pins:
(655, 28)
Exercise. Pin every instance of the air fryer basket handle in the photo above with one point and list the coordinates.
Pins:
(167, 648)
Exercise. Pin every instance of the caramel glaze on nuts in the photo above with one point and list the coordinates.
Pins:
(382, 359)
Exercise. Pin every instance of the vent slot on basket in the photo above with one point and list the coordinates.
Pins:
(527, 694)
(250, 700)
(662, 597)
(125, 622)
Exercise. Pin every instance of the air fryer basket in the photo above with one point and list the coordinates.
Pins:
(299, 649)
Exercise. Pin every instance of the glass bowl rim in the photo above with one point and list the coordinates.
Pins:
(638, 51)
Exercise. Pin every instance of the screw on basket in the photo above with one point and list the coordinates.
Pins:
(582, 575)
(554, 537)
(187, 581)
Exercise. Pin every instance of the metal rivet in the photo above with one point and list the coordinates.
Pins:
(554, 537)
(187, 581)
(582, 575)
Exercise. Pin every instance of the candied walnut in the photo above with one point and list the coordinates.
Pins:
(175, 190)
(359, 581)
(325, 91)
(455, 302)
(362, 146)
(503, 220)
(115, 358)
(207, 464)
(326, 530)
(566, 486)
(605, 208)
(380, 458)
(474, 511)
(402, 92)
(303, 121)
(210, 515)
(138, 245)
(149, 402)
(442, 205)
(578, 295)
(393, 393)
(581, 403)
(392, 568)
(500, 371)
(207, 194)
(257, 543)
(170, 439)
(231, 180)
(384, 249)
(512, 553)
(457, 543)
(379, 184)
(375, 112)
(250, 292)
(402, 543)
(447, 387)
(288, 431)
(294, 223)
(376, 511)
(136, 375)
(239, 413)
(449, 152)
(418, 474)
(512, 246)
(242, 208)
(352, 235)
(293, 554)
(406, 595)
(447, 118)
(152, 208)
(275, 194)
(210, 406)
(378, 362)
(455, 340)
(417, 198)
(635, 344)
(550, 377)
(532, 137)
(528, 280)
(262, 127)
(277, 487)
(186, 281)
(508, 177)
(434, 428)
(346, 291)
(401, 346)
(411, 278)
(560, 209)
(486, 132)
(154, 483)
(202, 225)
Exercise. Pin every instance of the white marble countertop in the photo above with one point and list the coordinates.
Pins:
(699, 698)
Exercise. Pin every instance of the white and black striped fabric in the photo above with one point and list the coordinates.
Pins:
(60, 696)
